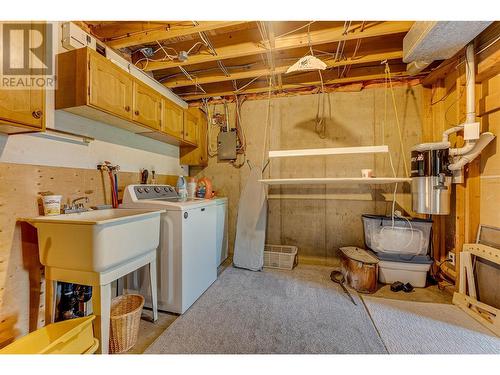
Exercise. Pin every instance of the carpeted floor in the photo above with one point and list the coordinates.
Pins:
(429, 328)
(272, 311)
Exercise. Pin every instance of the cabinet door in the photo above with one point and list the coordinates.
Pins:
(147, 106)
(191, 126)
(110, 87)
(22, 107)
(202, 140)
(25, 107)
(173, 119)
(197, 156)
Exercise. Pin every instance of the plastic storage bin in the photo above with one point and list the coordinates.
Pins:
(407, 236)
(404, 258)
(280, 256)
(74, 336)
(125, 317)
(413, 273)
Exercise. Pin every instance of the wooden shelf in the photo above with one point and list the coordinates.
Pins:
(329, 151)
(334, 180)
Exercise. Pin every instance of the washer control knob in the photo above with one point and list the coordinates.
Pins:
(157, 189)
(166, 189)
(139, 190)
(147, 190)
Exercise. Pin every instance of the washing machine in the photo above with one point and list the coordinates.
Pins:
(187, 256)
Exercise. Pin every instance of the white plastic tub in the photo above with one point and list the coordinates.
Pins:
(407, 236)
(413, 273)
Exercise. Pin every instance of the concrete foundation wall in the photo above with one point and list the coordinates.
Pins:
(321, 218)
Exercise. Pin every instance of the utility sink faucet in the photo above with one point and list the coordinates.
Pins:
(75, 206)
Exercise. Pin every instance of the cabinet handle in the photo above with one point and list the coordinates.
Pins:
(37, 114)
(136, 113)
(127, 108)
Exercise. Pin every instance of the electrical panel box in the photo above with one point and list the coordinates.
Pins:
(226, 142)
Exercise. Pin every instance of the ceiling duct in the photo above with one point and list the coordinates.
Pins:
(428, 41)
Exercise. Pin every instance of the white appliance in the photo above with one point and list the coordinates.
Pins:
(221, 235)
(74, 37)
(187, 252)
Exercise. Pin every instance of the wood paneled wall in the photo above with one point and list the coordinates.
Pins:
(477, 200)
(21, 274)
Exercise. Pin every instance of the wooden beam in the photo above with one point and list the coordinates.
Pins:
(182, 81)
(270, 54)
(323, 36)
(367, 77)
(490, 103)
(440, 72)
(149, 36)
(488, 63)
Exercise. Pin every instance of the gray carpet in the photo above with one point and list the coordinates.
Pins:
(299, 311)
(429, 328)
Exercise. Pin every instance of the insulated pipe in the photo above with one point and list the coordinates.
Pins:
(484, 140)
(431, 146)
(469, 145)
(470, 81)
(449, 131)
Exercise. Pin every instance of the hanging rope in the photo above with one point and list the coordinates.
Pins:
(388, 79)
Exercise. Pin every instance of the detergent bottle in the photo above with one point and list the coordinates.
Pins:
(181, 187)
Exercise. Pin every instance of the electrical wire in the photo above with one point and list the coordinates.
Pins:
(294, 30)
(347, 68)
(246, 85)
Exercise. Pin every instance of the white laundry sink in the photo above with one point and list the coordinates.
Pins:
(96, 241)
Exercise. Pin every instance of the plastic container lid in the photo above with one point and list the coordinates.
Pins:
(383, 217)
(405, 258)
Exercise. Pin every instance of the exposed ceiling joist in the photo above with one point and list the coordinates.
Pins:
(150, 36)
(359, 78)
(323, 36)
(280, 69)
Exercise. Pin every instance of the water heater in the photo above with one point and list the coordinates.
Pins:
(430, 180)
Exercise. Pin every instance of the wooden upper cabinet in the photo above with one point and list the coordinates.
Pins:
(22, 110)
(173, 119)
(197, 156)
(110, 87)
(147, 106)
(92, 86)
(191, 125)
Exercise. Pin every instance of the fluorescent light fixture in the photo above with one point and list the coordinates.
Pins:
(307, 63)
(329, 151)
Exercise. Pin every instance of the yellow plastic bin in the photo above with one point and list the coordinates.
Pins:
(74, 336)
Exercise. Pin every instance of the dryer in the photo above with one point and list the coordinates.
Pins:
(187, 254)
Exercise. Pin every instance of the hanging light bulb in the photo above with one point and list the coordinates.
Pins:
(307, 63)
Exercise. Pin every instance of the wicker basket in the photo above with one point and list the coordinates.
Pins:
(125, 317)
(280, 256)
